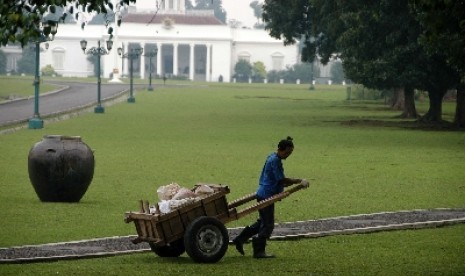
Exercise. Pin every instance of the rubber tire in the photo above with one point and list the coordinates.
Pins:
(172, 250)
(206, 240)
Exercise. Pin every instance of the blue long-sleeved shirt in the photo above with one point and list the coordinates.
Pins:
(272, 173)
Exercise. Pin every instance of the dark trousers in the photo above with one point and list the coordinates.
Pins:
(265, 223)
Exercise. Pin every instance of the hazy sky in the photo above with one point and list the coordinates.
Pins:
(240, 10)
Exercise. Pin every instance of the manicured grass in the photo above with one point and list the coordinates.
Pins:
(20, 87)
(221, 133)
(12, 87)
(419, 252)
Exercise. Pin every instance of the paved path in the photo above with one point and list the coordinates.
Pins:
(356, 224)
(69, 96)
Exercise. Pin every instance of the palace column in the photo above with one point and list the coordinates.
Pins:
(191, 62)
(142, 63)
(175, 59)
(208, 64)
(125, 62)
(159, 58)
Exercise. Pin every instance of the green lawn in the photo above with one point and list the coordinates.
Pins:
(12, 87)
(221, 133)
(20, 87)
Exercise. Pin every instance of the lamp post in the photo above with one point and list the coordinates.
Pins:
(131, 55)
(46, 28)
(312, 87)
(99, 52)
(151, 54)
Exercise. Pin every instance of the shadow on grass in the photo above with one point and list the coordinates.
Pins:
(413, 125)
(244, 97)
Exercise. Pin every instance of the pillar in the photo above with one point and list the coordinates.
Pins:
(208, 64)
(142, 64)
(175, 59)
(159, 58)
(191, 62)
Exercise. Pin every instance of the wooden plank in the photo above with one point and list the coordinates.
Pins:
(143, 231)
(146, 207)
(153, 225)
(135, 216)
(269, 201)
(141, 206)
(187, 216)
(242, 200)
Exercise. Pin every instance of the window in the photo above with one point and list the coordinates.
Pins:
(58, 56)
(244, 56)
(277, 61)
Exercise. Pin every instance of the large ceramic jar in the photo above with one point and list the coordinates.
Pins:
(61, 168)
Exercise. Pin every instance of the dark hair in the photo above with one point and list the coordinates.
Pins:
(286, 143)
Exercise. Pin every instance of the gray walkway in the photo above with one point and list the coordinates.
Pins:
(70, 96)
(357, 224)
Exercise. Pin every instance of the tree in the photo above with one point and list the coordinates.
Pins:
(93, 60)
(337, 72)
(443, 25)
(27, 62)
(2, 62)
(189, 5)
(102, 18)
(258, 71)
(20, 20)
(243, 70)
(216, 6)
(377, 41)
(257, 11)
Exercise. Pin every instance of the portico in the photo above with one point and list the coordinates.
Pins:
(173, 59)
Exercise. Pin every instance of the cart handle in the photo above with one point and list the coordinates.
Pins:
(261, 204)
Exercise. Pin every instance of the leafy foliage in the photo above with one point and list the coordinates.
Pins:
(258, 71)
(243, 70)
(27, 62)
(257, 9)
(337, 72)
(2, 62)
(20, 20)
(216, 6)
(443, 25)
(377, 41)
(48, 70)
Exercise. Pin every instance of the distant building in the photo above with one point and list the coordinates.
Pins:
(190, 43)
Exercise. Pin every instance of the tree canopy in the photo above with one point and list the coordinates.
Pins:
(20, 20)
(377, 41)
(443, 25)
(216, 6)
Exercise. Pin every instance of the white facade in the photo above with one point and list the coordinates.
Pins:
(210, 48)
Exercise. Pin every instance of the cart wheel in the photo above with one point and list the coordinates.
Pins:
(206, 240)
(173, 249)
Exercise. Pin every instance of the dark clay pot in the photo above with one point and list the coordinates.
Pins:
(61, 168)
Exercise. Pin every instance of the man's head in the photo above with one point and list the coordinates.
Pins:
(285, 148)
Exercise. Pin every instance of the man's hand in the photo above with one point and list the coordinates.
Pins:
(305, 183)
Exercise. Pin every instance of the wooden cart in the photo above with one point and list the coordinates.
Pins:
(197, 228)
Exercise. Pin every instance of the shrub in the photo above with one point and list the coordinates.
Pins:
(48, 70)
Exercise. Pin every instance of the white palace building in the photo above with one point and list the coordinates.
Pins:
(190, 43)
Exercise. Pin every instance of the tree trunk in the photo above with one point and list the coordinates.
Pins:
(410, 110)
(398, 101)
(434, 114)
(459, 119)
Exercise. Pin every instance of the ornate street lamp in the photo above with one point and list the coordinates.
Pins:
(132, 54)
(46, 28)
(151, 54)
(97, 51)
